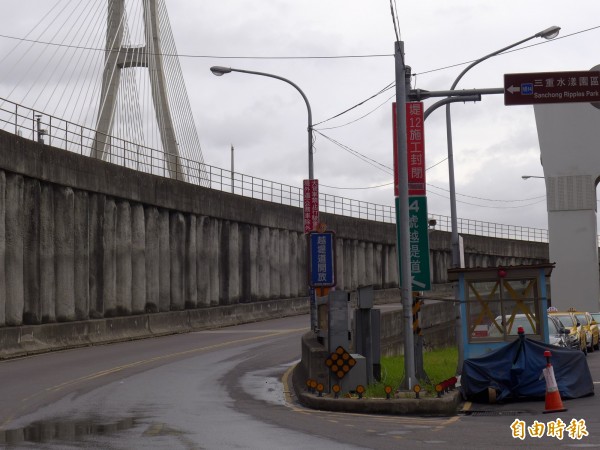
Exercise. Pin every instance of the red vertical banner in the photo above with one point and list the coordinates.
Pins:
(415, 148)
(311, 205)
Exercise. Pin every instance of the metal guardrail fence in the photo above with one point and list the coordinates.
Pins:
(34, 125)
(490, 229)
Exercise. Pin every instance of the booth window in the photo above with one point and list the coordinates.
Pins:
(497, 308)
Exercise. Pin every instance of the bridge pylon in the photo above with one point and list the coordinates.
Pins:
(119, 57)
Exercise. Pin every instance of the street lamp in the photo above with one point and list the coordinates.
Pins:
(527, 177)
(219, 71)
(548, 33)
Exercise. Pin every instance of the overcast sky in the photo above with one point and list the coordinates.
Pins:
(265, 119)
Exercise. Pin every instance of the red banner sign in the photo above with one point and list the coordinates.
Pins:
(311, 205)
(415, 149)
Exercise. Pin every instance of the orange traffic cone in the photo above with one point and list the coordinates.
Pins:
(553, 401)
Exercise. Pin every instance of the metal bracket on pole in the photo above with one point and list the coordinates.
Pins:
(445, 101)
(416, 95)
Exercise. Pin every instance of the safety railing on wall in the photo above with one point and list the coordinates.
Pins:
(490, 229)
(56, 132)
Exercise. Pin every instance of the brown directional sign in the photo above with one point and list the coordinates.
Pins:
(551, 87)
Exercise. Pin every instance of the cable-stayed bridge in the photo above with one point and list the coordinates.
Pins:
(102, 78)
(111, 68)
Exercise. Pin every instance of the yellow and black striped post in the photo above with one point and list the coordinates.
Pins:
(418, 339)
(416, 309)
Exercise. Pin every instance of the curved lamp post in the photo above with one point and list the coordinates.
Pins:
(219, 70)
(527, 177)
(548, 33)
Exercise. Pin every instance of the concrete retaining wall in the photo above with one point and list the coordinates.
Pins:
(82, 239)
(32, 339)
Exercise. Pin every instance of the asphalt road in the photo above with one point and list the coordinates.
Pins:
(223, 389)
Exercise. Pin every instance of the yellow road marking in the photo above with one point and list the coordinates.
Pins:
(112, 370)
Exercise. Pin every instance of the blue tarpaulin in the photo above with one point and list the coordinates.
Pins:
(514, 372)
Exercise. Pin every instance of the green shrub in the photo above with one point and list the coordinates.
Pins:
(439, 365)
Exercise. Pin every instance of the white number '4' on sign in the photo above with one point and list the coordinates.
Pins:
(413, 206)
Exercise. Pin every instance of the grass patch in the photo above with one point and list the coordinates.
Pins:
(439, 365)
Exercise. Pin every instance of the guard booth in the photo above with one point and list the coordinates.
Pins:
(496, 301)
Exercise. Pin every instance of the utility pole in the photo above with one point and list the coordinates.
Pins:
(402, 221)
(232, 172)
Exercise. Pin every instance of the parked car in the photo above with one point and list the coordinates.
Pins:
(591, 330)
(595, 324)
(558, 334)
(512, 324)
(568, 320)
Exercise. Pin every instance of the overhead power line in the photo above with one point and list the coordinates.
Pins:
(458, 65)
(184, 55)
(379, 166)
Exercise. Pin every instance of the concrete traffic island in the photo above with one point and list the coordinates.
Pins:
(447, 405)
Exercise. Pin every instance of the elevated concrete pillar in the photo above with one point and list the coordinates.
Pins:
(302, 265)
(569, 136)
(138, 259)
(177, 247)
(293, 270)
(361, 250)
(14, 250)
(393, 264)
(339, 263)
(152, 258)
(284, 263)
(248, 262)
(264, 263)
(32, 314)
(354, 251)
(378, 266)
(109, 258)
(215, 264)
(2, 248)
(253, 254)
(347, 258)
(191, 254)
(369, 264)
(230, 263)
(203, 262)
(96, 276)
(385, 267)
(164, 258)
(124, 267)
(64, 253)
(82, 255)
(275, 264)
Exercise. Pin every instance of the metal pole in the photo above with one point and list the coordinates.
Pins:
(310, 152)
(232, 172)
(452, 186)
(436, 105)
(403, 246)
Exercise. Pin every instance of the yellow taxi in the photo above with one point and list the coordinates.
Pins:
(591, 329)
(576, 333)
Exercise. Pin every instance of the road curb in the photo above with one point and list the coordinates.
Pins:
(447, 405)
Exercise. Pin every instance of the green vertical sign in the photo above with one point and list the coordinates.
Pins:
(419, 242)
